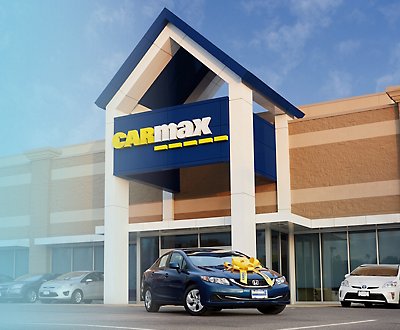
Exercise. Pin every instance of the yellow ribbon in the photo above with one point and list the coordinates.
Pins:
(244, 265)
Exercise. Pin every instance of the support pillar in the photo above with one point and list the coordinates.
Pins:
(268, 248)
(292, 264)
(116, 220)
(243, 224)
(283, 165)
(168, 206)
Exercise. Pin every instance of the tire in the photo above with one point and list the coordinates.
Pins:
(149, 303)
(31, 296)
(368, 305)
(192, 303)
(272, 310)
(345, 303)
(77, 297)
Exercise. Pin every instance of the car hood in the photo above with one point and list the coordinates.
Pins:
(369, 280)
(57, 283)
(236, 274)
(10, 284)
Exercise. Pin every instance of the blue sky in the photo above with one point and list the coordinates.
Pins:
(57, 56)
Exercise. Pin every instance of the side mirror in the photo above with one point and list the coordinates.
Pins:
(89, 280)
(174, 265)
(346, 276)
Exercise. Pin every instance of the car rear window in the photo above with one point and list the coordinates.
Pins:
(375, 271)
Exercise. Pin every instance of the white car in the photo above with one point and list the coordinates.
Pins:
(75, 287)
(371, 284)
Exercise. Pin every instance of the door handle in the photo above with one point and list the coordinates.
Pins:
(166, 275)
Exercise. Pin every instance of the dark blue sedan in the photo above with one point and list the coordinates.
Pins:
(203, 280)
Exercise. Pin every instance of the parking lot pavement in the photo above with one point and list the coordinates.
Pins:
(134, 317)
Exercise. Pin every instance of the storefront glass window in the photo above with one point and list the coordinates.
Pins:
(21, 261)
(99, 258)
(61, 260)
(215, 239)
(179, 241)
(82, 258)
(362, 248)
(260, 241)
(334, 263)
(389, 246)
(308, 278)
(149, 252)
(275, 251)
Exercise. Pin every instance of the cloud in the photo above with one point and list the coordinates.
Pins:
(338, 85)
(289, 37)
(347, 47)
(391, 13)
(392, 77)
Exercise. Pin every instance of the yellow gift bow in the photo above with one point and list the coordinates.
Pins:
(244, 265)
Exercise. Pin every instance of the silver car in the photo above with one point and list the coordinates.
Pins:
(74, 287)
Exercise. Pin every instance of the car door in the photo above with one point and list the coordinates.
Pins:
(157, 279)
(175, 279)
(89, 285)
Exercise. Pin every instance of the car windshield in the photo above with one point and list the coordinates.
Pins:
(216, 260)
(28, 278)
(71, 276)
(375, 271)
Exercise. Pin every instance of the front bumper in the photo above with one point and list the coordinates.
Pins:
(376, 296)
(233, 296)
(55, 294)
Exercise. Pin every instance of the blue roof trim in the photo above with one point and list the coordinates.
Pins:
(151, 35)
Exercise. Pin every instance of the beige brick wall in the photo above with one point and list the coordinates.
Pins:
(346, 165)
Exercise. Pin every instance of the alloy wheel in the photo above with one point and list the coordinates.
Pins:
(193, 301)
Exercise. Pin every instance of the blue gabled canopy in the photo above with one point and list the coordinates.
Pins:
(151, 35)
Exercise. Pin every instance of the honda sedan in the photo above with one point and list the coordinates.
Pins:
(371, 284)
(204, 280)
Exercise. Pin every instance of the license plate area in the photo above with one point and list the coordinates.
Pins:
(363, 293)
(259, 294)
(46, 293)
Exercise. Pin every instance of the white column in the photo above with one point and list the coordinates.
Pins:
(292, 264)
(242, 168)
(268, 248)
(283, 164)
(116, 220)
(168, 206)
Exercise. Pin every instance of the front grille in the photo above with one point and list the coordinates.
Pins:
(372, 296)
(261, 283)
(368, 287)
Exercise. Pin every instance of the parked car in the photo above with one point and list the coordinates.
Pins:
(371, 284)
(76, 287)
(24, 288)
(5, 278)
(200, 280)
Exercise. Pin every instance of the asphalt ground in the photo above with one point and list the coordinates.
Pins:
(15, 316)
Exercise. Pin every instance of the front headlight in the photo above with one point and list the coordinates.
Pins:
(217, 280)
(390, 284)
(280, 280)
(345, 283)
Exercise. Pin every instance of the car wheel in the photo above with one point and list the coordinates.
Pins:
(77, 297)
(275, 309)
(192, 301)
(345, 303)
(368, 305)
(149, 303)
(31, 296)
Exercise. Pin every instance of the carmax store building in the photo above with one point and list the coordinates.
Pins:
(312, 191)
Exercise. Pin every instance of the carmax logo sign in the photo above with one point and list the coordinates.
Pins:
(186, 129)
